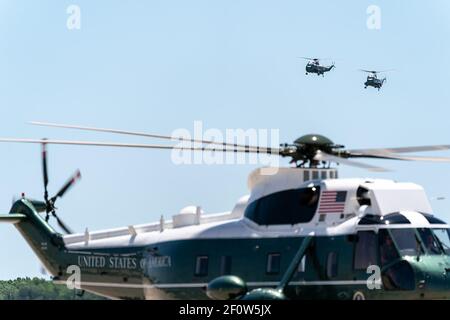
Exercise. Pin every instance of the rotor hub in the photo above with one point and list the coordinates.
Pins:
(313, 139)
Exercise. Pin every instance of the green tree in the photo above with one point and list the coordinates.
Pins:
(39, 289)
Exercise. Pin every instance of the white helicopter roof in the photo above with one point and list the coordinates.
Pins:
(264, 181)
(386, 196)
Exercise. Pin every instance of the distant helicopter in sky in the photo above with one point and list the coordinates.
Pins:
(314, 66)
(373, 80)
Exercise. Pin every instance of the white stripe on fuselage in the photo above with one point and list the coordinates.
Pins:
(243, 229)
(203, 284)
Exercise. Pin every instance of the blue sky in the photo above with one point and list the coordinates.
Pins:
(157, 66)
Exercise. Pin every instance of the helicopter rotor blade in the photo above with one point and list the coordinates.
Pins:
(399, 157)
(388, 151)
(314, 59)
(61, 223)
(384, 71)
(376, 71)
(419, 158)
(142, 134)
(287, 151)
(323, 156)
(368, 71)
(265, 150)
(75, 177)
(45, 170)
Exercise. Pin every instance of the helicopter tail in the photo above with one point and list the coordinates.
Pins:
(12, 218)
(46, 243)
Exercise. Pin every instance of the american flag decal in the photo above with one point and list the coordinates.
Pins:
(332, 202)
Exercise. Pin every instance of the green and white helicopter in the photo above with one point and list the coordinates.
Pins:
(373, 80)
(314, 66)
(302, 233)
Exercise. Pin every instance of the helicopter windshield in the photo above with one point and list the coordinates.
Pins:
(406, 241)
(432, 243)
(443, 237)
(410, 241)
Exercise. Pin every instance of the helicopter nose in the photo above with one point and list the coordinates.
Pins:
(435, 284)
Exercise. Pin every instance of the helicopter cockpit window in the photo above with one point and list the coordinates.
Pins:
(432, 219)
(285, 207)
(392, 218)
(406, 241)
(443, 236)
(431, 243)
(365, 250)
(388, 252)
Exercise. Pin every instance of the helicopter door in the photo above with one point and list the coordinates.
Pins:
(366, 250)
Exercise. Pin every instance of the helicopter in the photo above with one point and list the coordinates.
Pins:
(373, 80)
(314, 66)
(302, 233)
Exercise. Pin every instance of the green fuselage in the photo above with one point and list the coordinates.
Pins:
(181, 269)
(317, 69)
(374, 82)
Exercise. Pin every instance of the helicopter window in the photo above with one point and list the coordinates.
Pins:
(406, 241)
(369, 219)
(392, 218)
(201, 266)
(315, 175)
(302, 265)
(225, 265)
(332, 265)
(306, 175)
(432, 220)
(324, 174)
(388, 252)
(273, 263)
(365, 250)
(443, 235)
(431, 243)
(285, 207)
